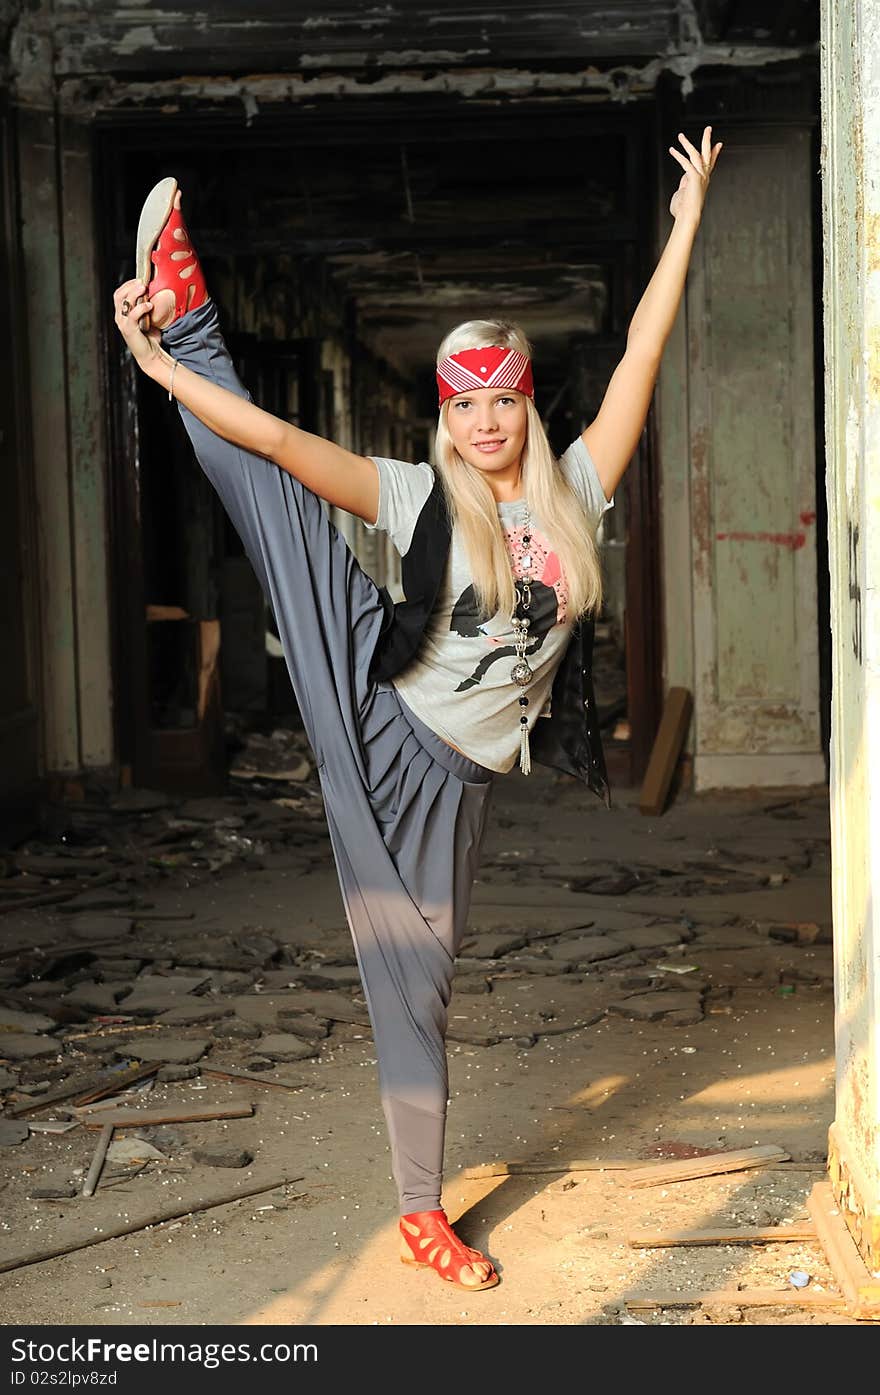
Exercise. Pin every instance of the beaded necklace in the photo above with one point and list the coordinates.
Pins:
(521, 673)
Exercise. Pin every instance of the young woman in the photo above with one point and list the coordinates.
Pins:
(412, 710)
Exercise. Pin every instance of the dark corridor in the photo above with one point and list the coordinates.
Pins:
(374, 233)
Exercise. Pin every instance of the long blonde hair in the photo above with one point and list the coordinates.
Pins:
(472, 505)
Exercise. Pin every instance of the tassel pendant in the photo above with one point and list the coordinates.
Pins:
(525, 757)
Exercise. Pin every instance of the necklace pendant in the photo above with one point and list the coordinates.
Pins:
(521, 673)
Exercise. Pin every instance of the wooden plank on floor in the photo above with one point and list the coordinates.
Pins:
(251, 1079)
(170, 1114)
(666, 750)
(526, 1169)
(83, 1090)
(711, 1165)
(736, 1298)
(860, 1288)
(731, 1235)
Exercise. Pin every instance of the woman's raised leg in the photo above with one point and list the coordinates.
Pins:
(323, 602)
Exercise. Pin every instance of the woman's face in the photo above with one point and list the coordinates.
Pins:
(488, 427)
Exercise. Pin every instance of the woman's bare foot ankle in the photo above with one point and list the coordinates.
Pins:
(162, 312)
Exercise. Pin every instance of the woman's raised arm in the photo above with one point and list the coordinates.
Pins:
(612, 437)
(343, 478)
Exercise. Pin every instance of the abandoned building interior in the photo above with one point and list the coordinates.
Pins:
(358, 182)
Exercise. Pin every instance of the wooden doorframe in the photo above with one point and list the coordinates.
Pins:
(644, 613)
(20, 721)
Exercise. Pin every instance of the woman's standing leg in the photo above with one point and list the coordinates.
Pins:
(407, 849)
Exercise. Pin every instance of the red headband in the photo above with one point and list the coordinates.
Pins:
(480, 368)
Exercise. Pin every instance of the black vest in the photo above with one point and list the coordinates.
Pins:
(569, 738)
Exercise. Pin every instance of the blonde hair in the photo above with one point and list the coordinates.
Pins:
(472, 505)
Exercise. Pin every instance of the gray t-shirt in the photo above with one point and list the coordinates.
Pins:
(459, 683)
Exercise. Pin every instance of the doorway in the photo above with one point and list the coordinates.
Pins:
(380, 228)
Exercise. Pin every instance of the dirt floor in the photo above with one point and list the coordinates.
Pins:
(631, 989)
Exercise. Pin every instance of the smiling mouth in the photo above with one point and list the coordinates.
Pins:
(489, 445)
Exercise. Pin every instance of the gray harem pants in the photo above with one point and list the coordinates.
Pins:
(406, 812)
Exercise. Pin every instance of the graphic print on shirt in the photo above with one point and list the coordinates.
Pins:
(548, 607)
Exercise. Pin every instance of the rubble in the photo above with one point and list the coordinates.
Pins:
(178, 1051)
(278, 756)
(589, 948)
(99, 927)
(236, 1030)
(93, 996)
(23, 1046)
(12, 1133)
(167, 1075)
(222, 1157)
(188, 1014)
(14, 1021)
(132, 1150)
(682, 1008)
(269, 999)
(283, 1046)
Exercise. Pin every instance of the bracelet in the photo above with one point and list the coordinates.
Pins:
(171, 380)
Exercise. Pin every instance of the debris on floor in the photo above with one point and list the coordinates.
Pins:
(124, 1004)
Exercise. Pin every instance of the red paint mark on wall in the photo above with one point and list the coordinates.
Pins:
(807, 517)
(790, 540)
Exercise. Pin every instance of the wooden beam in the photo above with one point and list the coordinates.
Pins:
(84, 1091)
(153, 1218)
(736, 1298)
(666, 750)
(526, 1169)
(94, 1171)
(734, 1235)
(710, 1166)
(123, 1081)
(170, 1114)
(252, 1079)
(861, 1289)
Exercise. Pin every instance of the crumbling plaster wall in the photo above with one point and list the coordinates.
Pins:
(851, 214)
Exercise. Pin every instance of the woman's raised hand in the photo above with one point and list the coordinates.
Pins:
(144, 346)
(690, 195)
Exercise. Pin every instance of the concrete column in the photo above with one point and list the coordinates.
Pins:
(850, 75)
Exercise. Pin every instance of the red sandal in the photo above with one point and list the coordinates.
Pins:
(428, 1239)
(165, 258)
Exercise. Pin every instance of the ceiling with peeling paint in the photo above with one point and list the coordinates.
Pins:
(232, 36)
(445, 163)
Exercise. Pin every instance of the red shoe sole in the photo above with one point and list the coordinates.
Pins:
(154, 215)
